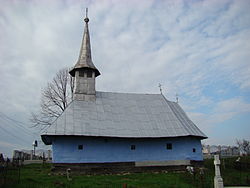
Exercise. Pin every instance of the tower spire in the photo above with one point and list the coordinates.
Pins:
(85, 60)
(84, 70)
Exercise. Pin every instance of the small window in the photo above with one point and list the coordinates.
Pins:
(169, 146)
(80, 147)
(81, 73)
(89, 74)
(194, 150)
(132, 147)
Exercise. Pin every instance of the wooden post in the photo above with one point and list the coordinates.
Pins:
(19, 174)
(218, 181)
(49, 154)
(31, 154)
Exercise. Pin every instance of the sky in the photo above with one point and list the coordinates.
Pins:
(197, 49)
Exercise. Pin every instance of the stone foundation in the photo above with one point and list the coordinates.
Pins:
(123, 167)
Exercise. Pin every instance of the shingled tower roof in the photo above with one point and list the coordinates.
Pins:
(85, 61)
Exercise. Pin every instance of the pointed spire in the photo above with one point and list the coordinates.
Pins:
(85, 60)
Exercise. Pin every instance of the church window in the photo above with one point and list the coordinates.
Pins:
(169, 146)
(89, 74)
(132, 147)
(80, 147)
(81, 73)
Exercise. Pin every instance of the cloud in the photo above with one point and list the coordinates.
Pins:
(221, 112)
(8, 145)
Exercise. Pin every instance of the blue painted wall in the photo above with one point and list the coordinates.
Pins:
(65, 149)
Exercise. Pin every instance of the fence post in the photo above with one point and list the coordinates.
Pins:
(218, 181)
(19, 174)
(4, 176)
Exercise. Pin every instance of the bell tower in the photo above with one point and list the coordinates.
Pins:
(84, 70)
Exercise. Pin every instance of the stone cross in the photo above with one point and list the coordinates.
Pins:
(218, 181)
(68, 174)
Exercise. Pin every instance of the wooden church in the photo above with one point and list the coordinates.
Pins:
(107, 129)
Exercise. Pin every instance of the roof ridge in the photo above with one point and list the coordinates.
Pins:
(115, 92)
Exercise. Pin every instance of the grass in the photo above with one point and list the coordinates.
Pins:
(39, 176)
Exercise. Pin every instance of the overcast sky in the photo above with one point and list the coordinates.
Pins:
(198, 49)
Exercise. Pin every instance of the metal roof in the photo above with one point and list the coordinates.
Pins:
(123, 115)
(85, 60)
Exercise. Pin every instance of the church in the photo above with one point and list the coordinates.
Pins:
(107, 128)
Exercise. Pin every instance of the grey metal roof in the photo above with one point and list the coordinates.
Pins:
(124, 115)
(85, 60)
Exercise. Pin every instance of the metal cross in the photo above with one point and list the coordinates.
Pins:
(177, 98)
(86, 12)
(160, 87)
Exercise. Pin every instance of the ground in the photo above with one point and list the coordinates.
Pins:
(39, 176)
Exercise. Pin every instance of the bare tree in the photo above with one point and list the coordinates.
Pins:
(54, 99)
(244, 146)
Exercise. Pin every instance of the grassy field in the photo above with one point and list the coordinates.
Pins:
(39, 176)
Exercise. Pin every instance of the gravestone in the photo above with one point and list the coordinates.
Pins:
(218, 181)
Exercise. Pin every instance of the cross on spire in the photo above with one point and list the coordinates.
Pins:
(86, 19)
(86, 15)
